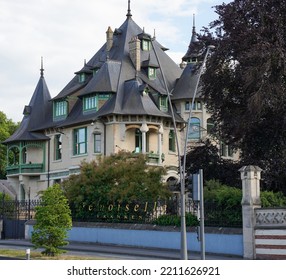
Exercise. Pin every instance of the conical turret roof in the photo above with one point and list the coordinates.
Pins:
(35, 114)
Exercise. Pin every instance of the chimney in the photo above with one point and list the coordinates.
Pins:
(134, 51)
(109, 39)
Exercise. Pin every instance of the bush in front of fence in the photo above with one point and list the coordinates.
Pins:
(175, 220)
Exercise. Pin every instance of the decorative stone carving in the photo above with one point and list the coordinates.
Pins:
(269, 217)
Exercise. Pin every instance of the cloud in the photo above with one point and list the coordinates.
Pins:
(65, 32)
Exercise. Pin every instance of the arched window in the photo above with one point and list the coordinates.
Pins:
(194, 129)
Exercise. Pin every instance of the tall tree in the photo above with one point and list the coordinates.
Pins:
(245, 83)
(7, 128)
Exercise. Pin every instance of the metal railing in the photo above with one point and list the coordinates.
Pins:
(129, 212)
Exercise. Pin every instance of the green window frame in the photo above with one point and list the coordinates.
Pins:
(146, 45)
(80, 141)
(163, 103)
(58, 147)
(81, 77)
(138, 141)
(97, 143)
(60, 108)
(151, 72)
(90, 102)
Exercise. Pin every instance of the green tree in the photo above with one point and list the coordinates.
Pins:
(53, 220)
(207, 157)
(244, 85)
(7, 128)
(122, 177)
(228, 197)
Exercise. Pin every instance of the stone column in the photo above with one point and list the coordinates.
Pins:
(250, 176)
(144, 129)
(160, 133)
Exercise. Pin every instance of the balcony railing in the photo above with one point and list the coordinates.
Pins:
(25, 168)
(152, 157)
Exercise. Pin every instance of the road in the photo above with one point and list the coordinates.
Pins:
(117, 252)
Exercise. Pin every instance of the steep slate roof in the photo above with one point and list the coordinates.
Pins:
(117, 73)
(186, 85)
(37, 112)
(194, 49)
(105, 80)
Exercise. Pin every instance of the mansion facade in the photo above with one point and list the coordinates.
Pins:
(119, 100)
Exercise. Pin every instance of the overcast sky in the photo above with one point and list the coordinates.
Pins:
(66, 32)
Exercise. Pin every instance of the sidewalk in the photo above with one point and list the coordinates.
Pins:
(118, 252)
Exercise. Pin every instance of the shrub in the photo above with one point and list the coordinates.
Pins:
(53, 220)
(174, 220)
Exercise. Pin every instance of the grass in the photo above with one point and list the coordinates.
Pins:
(36, 255)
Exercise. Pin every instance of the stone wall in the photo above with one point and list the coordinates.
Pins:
(264, 229)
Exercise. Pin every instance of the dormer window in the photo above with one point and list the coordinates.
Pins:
(27, 110)
(146, 45)
(95, 101)
(90, 102)
(60, 109)
(82, 77)
(151, 73)
(163, 103)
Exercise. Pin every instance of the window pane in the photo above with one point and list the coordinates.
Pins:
(187, 106)
(194, 129)
(60, 108)
(80, 143)
(97, 143)
(90, 103)
(58, 146)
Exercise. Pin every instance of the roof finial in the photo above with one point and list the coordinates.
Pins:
(194, 33)
(129, 15)
(194, 23)
(42, 68)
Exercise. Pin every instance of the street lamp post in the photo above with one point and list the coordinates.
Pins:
(182, 168)
(184, 254)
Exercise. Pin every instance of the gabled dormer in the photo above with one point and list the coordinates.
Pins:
(150, 66)
(145, 41)
(60, 109)
(84, 73)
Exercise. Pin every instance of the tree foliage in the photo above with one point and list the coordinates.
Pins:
(244, 84)
(53, 220)
(228, 197)
(207, 157)
(7, 128)
(122, 177)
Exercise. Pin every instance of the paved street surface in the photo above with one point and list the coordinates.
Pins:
(117, 252)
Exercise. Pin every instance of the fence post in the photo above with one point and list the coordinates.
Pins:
(250, 176)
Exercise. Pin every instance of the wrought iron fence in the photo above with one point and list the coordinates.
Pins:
(18, 209)
(222, 216)
(129, 212)
(149, 212)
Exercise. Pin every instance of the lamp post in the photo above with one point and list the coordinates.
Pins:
(182, 168)
(184, 254)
